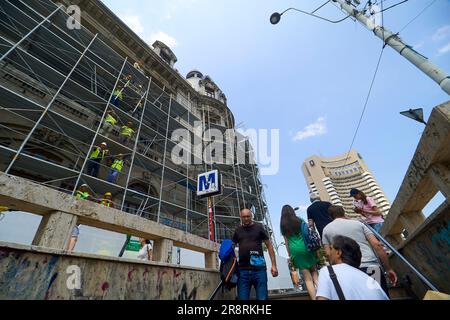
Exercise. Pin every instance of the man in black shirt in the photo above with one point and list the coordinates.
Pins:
(317, 213)
(252, 266)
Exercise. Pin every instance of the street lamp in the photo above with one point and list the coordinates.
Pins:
(276, 17)
(389, 38)
(416, 114)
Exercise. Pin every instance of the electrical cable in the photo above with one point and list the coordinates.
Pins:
(365, 104)
(420, 13)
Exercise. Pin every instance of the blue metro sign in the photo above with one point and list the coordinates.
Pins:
(209, 184)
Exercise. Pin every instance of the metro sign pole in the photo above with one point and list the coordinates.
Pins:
(211, 219)
(209, 185)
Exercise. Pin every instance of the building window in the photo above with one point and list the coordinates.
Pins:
(209, 92)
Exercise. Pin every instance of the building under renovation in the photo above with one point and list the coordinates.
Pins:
(62, 81)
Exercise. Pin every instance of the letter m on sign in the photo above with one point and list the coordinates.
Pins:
(208, 184)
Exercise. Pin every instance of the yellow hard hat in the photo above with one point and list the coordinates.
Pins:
(108, 194)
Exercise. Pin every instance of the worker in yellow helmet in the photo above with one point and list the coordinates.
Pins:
(116, 168)
(117, 96)
(97, 155)
(109, 123)
(83, 193)
(107, 200)
(126, 133)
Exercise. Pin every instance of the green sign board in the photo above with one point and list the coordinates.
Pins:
(133, 245)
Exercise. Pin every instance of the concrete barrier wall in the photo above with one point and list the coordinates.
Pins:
(426, 246)
(35, 273)
(429, 251)
(61, 212)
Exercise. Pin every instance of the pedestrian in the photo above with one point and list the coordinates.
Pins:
(317, 213)
(109, 124)
(366, 206)
(146, 251)
(74, 237)
(252, 266)
(345, 257)
(302, 259)
(367, 242)
(126, 133)
(95, 158)
(117, 96)
(107, 200)
(116, 168)
(83, 193)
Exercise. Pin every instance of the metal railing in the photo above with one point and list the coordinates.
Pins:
(398, 254)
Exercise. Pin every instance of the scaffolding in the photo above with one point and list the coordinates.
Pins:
(57, 87)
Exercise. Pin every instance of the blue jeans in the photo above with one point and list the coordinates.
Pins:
(115, 101)
(93, 166)
(376, 226)
(257, 278)
(112, 176)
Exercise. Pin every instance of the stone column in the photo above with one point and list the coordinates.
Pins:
(211, 260)
(55, 230)
(162, 250)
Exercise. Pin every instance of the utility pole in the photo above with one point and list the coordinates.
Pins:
(394, 41)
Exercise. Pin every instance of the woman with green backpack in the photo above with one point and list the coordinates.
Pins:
(296, 244)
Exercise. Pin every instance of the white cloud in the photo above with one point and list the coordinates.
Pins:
(134, 23)
(317, 128)
(442, 33)
(444, 49)
(171, 42)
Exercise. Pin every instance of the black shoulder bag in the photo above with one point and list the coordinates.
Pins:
(336, 283)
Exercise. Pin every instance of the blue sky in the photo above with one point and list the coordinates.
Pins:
(306, 75)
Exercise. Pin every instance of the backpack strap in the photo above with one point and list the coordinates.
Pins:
(336, 283)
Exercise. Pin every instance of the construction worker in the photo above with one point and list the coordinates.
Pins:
(96, 156)
(117, 96)
(116, 168)
(83, 193)
(126, 133)
(137, 112)
(109, 123)
(107, 200)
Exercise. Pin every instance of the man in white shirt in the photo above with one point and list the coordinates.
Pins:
(345, 257)
(146, 251)
(368, 243)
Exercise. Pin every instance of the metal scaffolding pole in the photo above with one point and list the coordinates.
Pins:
(164, 158)
(187, 167)
(135, 145)
(30, 32)
(98, 128)
(234, 162)
(47, 107)
(212, 203)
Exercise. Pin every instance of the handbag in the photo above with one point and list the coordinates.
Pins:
(311, 237)
(336, 283)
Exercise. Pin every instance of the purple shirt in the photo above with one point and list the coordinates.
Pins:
(370, 219)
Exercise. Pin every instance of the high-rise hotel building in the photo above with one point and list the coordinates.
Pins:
(333, 178)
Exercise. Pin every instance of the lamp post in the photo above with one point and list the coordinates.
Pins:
(389, 38)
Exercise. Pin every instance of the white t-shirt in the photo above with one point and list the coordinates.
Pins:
(355, 284)
(144, 252)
